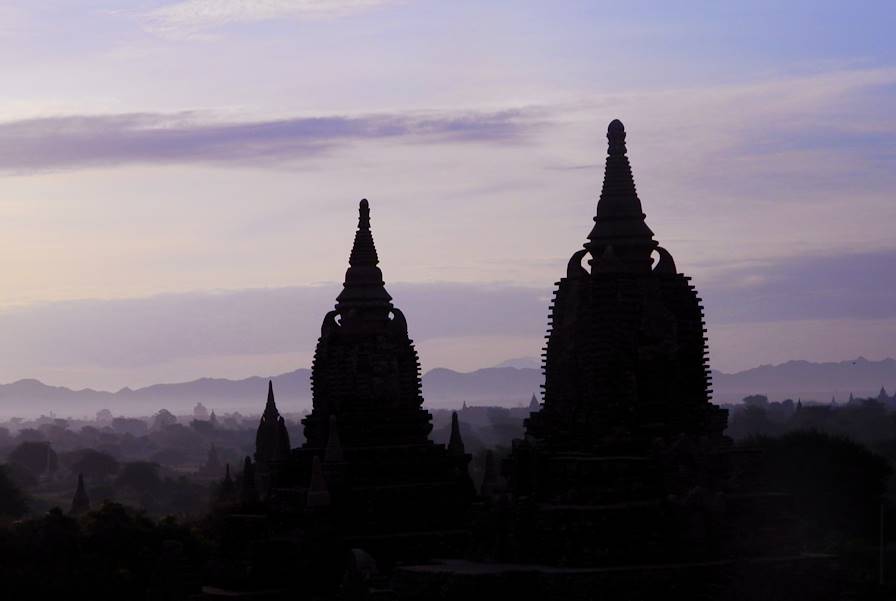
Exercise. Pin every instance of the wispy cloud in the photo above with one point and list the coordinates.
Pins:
(103, 140)
(824, 286)
(167, 336)
(191, 16)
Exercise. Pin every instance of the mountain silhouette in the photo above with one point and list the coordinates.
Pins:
(808, 380)
(442, 388)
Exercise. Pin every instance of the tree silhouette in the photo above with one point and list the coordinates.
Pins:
(837, 483)
(12, 501)
(35, 457)
(94, 464)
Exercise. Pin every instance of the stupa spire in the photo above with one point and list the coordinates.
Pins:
(534, 405)
(364, 286)
(363, 250)
(455, 442)
(80, 502)
(270, 407)
(620, 219)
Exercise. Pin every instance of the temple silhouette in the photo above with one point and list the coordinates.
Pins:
(624, 486)
(393, 492)
(627, 420)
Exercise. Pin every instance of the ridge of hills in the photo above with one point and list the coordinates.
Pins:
(502, 385)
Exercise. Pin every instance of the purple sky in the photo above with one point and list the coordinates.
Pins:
(179, 180)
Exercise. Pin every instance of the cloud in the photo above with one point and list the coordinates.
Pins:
(190, 16)
(104, 140)
(827, 300)
(153, 330)
(815, 287)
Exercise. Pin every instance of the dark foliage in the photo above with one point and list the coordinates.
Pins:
(141, 475)
(35, 457)
(95, 465)
(111, 553)
(837, 484)
(12, 501)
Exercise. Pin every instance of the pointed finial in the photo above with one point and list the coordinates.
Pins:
(364, 215)
(616, 138)
(364, 286)
(270, 407)
(620, 218)
(455, 442)
(363, 250)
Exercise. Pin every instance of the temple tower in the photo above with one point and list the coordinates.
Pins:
(271, 438)
(626, 422)
(366, 371)
(393, 491)
(626, 355)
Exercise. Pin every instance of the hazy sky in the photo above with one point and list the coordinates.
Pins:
(179, 180)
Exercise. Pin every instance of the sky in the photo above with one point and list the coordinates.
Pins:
(179, 179)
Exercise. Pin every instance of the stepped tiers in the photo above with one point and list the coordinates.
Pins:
(626, 354)
(626, 462)
(365, 370)
(395, 493)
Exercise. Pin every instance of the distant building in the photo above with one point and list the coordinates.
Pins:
(534, 405)
(80, 501)
(200, 412)
(271, 441)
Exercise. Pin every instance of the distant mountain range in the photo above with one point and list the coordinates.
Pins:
(442, 388)
(807, 380)
(502, 385)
